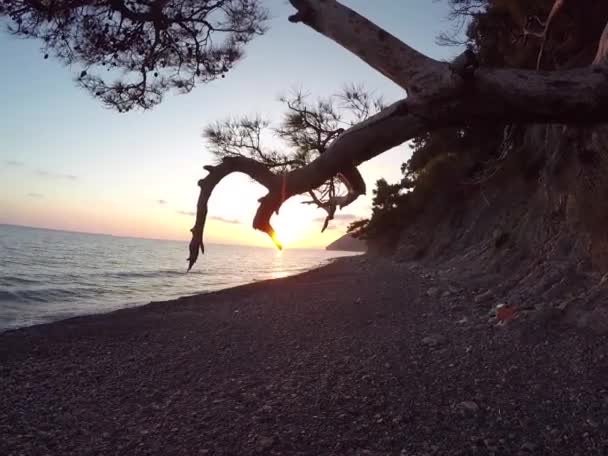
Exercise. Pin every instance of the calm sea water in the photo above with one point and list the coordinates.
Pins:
(50, 275)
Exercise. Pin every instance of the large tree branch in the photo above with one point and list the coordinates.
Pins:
(574, 96)
(252, 168)
(387, 129)
(571, 96)
(396, 60)
(473, 95)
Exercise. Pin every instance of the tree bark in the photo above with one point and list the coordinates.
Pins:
(440, 95)
(396, 60)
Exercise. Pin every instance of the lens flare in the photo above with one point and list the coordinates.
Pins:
(276, 240)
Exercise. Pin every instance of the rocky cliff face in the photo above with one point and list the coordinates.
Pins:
(537, 241)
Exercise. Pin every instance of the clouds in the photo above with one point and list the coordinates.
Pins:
(340, 218)
(212, 217)
(45, 173)
(225, 220)
(340, 221)
(52, 175)
(13, 163)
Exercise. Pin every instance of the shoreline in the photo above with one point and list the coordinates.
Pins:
(361, 356)
(196, 296)
(142, 303)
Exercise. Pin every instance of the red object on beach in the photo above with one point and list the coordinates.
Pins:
(504, 313)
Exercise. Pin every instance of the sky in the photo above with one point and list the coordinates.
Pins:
(67, 162)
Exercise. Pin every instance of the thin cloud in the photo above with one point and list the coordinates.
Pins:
(340, 218)
(162, 202)
(13, 163)
(213, 217)
(225, 220)
(35, 195)
(40, 172)
(52, 175)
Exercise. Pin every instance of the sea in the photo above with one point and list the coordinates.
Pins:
(48, 275)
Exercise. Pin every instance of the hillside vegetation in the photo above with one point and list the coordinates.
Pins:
(523, 206)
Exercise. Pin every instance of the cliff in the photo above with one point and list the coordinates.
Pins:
(533, 236)
(348, 243)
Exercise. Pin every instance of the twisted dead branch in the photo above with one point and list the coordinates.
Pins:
(439, 95)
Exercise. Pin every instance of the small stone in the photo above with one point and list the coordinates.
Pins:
(599, 319)
(492, 311)
(500, 237)
(591, 422)
(265, 443)
(468, 407)
(432, 291)
(483, 297)
(433, 340)
(528, 446)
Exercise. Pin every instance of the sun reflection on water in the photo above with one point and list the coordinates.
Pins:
(278, 266)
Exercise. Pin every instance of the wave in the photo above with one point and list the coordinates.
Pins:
(7, 296)
(47, 295)
(149, 274)
(85, 286)
(11, 281)
(61, 274)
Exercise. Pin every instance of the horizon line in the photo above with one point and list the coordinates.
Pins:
(91, 233)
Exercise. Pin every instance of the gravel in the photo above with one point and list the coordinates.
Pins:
(327, 362)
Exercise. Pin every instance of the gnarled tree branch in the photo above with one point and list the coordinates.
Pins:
(248, 166)
(389, 128)
(456, 95)
(384, 52)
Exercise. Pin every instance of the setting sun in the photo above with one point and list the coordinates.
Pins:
(295, 226)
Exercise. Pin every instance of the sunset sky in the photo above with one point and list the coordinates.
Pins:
(66, 162)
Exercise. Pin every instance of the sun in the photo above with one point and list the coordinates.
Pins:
(290, 227)
(277, 242)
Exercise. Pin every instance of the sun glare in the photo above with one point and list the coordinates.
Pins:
(290, 229)
(276, 241)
